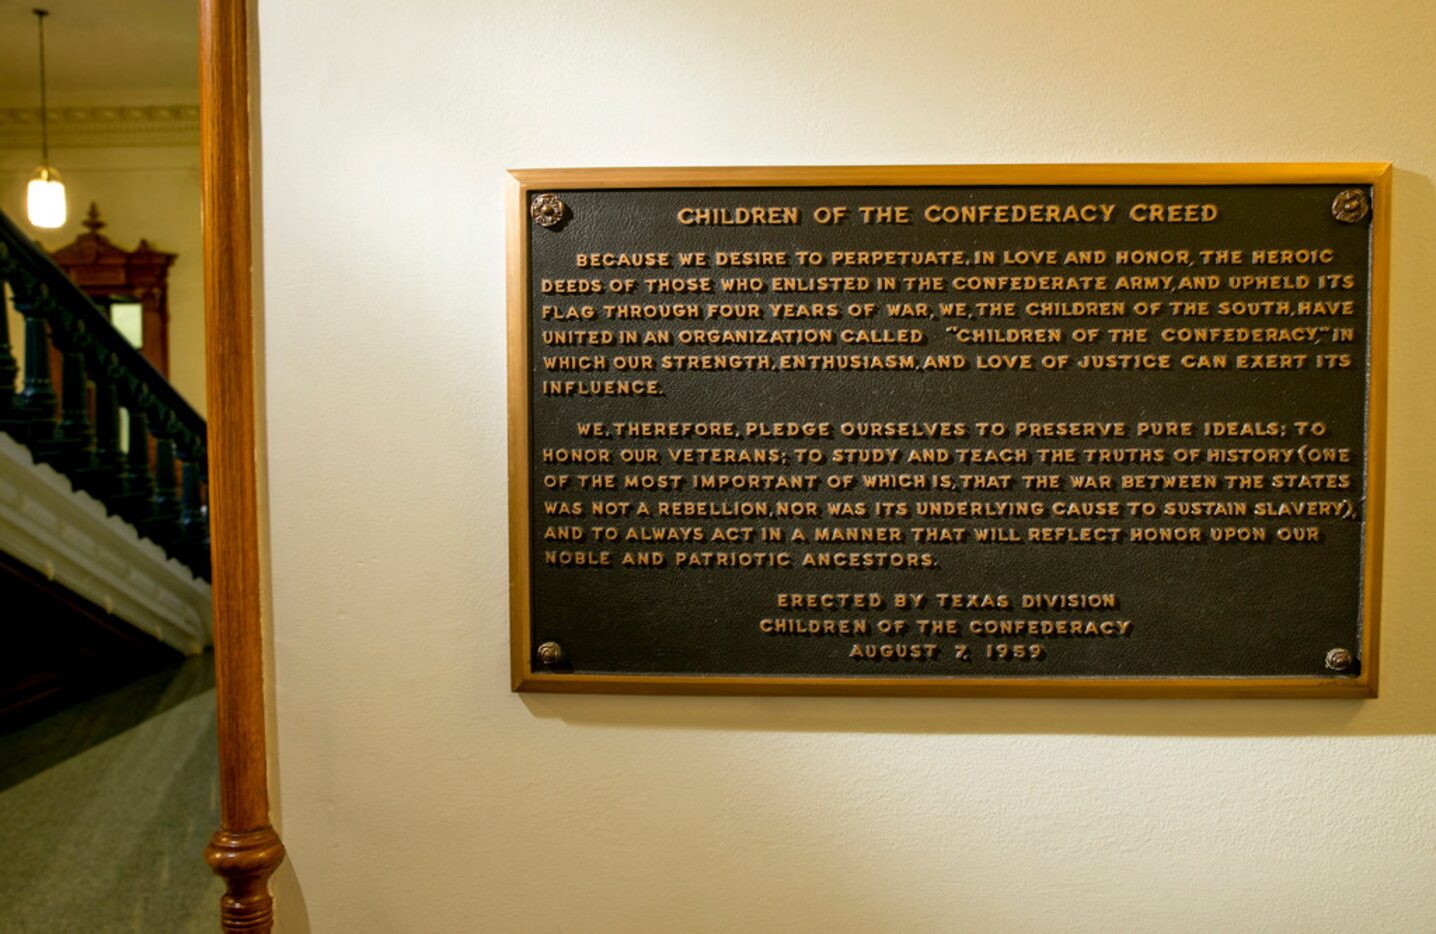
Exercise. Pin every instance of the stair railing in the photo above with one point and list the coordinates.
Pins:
(164, 503)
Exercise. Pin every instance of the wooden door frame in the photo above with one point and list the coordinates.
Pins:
(245, 850)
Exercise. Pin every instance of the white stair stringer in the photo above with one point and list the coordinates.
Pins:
(68, 536)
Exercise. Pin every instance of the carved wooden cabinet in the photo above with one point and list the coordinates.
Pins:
(113, 276)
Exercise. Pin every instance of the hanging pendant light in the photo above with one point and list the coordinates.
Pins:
(45, 195)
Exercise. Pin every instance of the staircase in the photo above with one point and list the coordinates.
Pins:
(104, 531)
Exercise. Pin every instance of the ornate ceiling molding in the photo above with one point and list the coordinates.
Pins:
(112, 125)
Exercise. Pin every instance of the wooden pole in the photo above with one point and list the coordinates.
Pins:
(245, 850)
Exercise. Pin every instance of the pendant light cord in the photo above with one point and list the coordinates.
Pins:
(44, 99)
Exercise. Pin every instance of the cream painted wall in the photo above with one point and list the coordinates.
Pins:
(143, 192)
(415, 793)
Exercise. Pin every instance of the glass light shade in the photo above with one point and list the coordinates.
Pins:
(45, 199)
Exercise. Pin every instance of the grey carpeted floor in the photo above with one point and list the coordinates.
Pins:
(111, 837)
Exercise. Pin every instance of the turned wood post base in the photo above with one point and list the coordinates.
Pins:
(245, 861)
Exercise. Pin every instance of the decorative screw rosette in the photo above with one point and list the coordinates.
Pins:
(546, 210)
(1350, 206)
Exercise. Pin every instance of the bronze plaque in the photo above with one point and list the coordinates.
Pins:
(1063, 430)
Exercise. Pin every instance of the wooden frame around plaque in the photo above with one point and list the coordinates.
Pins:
(526, 181)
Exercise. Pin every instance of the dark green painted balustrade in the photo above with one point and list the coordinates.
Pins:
(160, 487)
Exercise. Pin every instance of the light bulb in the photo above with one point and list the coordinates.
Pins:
(45, 199)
